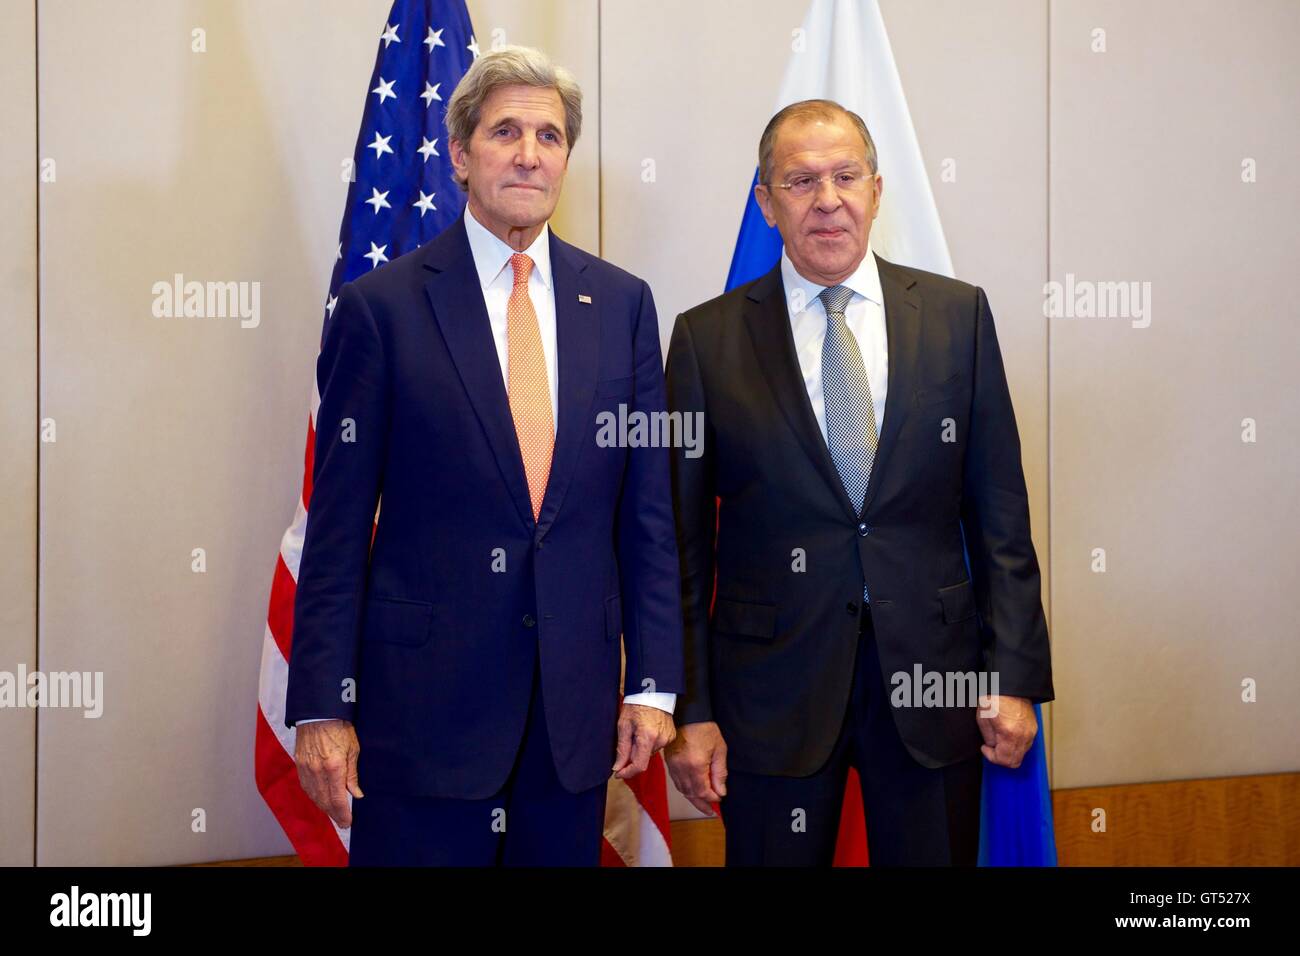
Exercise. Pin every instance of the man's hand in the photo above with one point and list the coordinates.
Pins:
(1009, 726)
(642, 732)
(697, 762)
(326, 754)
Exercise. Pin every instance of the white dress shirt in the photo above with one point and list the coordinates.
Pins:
(865, 317)
(497, 278)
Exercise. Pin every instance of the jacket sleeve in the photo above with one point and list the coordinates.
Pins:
(647, 548)
(351, 436)
(995, 523)
(695, 505)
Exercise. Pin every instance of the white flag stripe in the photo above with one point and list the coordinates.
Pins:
(291, 543)
(653, 850)
(274, 680)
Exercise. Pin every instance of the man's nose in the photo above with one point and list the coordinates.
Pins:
(527, 154)
(827, 196)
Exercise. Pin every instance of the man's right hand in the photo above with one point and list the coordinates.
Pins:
(697, 762)
(326, 755)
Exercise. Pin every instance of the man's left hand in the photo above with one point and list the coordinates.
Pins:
(642, 732)
(1008, 725)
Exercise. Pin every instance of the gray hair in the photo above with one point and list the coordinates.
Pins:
(804, 111)
(510, 66)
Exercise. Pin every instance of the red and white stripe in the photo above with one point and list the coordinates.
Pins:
(315, 837)
(636, 820)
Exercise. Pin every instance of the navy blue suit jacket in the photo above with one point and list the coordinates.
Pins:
(441, 642)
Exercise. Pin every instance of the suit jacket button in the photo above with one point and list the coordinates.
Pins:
(852, 608)
(863, 530)
(529, 620)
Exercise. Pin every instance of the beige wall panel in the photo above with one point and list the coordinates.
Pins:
(18, 423)
(1148, 462)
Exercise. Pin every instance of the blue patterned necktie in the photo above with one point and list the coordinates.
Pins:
(850, 415)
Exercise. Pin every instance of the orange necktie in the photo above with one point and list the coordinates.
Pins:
(527, 386)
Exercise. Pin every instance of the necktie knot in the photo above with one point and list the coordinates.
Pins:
(836, 299)
(523, 267)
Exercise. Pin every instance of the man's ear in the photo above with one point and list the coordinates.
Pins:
(880, 193)
(763, 196)
(457, 151)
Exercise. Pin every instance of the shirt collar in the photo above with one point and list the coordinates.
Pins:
(865, 280)
(491, 255)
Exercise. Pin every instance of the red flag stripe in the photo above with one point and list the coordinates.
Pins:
(609, 856)
(310, 831)
(651, 791)
(280, 614)
(308, 460)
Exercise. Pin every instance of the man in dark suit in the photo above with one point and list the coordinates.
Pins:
(859, 436)
(462, 383)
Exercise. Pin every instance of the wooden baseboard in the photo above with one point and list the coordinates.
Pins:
(1221, 821)
(699, 843)
(256, 861)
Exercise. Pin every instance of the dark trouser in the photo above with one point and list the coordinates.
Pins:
(531, 821)
(916, 816)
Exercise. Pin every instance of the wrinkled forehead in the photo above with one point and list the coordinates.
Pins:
(534, 105)
(818, 144)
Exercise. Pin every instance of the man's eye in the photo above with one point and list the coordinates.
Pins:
(501, 129)
(551, 136)
(847, 179)
(801, 182)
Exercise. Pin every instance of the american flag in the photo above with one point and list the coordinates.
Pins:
(401, 194)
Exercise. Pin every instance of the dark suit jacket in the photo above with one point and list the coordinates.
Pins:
(441, 643)
(773, 662)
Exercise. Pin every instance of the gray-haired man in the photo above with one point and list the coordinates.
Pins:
(512, 549)
(861, 435)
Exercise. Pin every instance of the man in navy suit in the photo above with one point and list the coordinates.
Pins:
(465, 666)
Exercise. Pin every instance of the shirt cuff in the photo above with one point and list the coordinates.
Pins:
(661, 701)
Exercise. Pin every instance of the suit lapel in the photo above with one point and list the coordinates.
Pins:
(768, 319)
(577, 343)
(903, 330)
(457, 299)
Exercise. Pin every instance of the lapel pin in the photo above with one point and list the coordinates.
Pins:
(585, 299)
